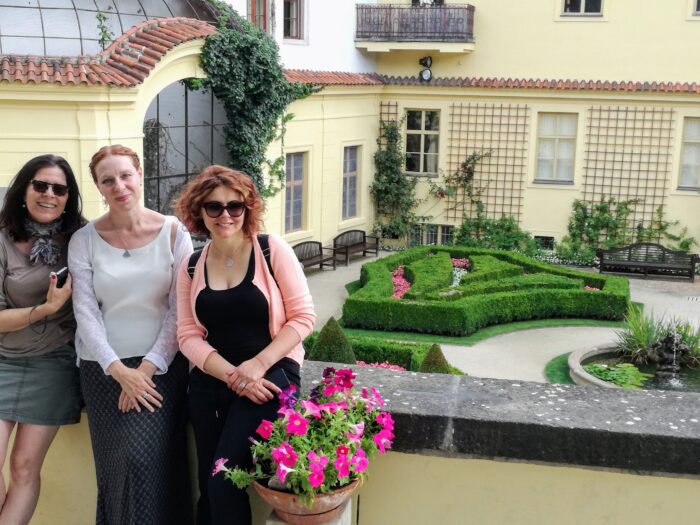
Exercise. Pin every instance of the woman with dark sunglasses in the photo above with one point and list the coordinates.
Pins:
(38, 378)
(240, 325)
(132, 377)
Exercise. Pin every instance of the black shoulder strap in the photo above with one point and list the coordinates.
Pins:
(193, 262)
(264, 241)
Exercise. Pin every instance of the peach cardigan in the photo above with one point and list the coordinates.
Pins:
(290, 304)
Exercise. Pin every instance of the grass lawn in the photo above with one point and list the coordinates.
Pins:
(557, 370)
(485, 333)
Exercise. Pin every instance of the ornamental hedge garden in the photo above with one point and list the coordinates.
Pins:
(501, 287)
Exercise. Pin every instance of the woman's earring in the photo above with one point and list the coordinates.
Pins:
(24, 205)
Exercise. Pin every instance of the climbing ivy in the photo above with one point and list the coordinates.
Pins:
(244, 73)
(105, 34)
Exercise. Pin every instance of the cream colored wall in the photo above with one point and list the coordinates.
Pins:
(75, 122)
(322, 126)
(415, 490)
(656, 41)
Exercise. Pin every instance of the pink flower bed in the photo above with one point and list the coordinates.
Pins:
(591, 289)
(461, 263)
(401, 285)
(386, 364)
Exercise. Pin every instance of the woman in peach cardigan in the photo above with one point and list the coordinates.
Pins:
(240, 326)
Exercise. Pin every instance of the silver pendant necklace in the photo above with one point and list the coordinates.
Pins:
(229, 262)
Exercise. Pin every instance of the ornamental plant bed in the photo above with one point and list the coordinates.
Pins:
(500, 287)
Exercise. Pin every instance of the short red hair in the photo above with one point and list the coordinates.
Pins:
(188, 205)
(108, 151)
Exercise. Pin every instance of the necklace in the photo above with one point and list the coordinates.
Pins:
(229, 261)
(126, 253)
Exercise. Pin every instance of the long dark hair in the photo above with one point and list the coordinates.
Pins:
(13, 213)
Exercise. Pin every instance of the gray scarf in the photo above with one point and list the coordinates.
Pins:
(45, 248)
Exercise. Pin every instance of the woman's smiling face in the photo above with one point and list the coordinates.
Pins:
(46, 207)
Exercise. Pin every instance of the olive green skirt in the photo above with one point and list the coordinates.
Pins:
(41, 390)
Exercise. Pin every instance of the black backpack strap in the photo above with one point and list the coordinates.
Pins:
(193, 262)
(264, 241)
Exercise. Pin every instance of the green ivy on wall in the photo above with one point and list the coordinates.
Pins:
(244, 73)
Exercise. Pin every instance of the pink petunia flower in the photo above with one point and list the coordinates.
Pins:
(385, 421)
(311, 409)
(342, 466)
(359, 462)
(219, 466)
(342, 450)
(296, 424)
(288, 396)
(383, 440)
(316, 462)
(282, 472)
(316, 478)
(264, 429)
(284, 455)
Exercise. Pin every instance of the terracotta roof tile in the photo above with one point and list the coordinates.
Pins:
(127, 62)
(333, 78)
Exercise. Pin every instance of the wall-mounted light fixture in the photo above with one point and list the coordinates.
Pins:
(425, 75)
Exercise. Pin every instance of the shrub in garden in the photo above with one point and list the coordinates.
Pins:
(435, 362)
(434, 271)
(332, 345)
(497, 234)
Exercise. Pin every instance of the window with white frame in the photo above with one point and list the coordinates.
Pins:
(556, 145)
(583, 7)
(258, 15)
(690, 158)
(292, 19)
(350, 170)
(294, 192)
(422, 141)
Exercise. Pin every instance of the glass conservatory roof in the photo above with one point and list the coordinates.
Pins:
(71, 27)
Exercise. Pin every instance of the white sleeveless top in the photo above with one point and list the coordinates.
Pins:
(132, 292)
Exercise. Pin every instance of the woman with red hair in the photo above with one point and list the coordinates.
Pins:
(124, 266)
(241, 324)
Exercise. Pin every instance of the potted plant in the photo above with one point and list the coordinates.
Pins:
(313, 457)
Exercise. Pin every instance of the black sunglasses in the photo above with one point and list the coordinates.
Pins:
(214, 209)
(40, 186)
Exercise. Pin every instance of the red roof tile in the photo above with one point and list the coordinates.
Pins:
(127, 62)
(333, 78)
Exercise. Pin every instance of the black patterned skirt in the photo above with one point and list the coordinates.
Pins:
(140, 458)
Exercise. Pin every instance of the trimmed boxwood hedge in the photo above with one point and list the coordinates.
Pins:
(374, 350)
(372, 306)
(428, 274)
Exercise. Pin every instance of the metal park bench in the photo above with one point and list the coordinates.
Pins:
(311, 253)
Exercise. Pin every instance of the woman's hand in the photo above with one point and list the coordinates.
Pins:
(260, 391)
(246, 373)
(57, 297)
(138, 389)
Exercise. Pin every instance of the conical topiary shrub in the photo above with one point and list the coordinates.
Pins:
(332, 345)
(435, 362)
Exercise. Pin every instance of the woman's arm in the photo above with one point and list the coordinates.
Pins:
(91, 329)
(165, 347)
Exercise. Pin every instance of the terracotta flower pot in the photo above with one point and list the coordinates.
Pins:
(290, 508)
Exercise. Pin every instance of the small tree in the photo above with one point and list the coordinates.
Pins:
(392, 191)
(435, 362)
(332, 345)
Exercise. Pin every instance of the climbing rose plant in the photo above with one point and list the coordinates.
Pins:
(321, 442)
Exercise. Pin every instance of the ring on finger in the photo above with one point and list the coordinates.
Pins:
(242, 384)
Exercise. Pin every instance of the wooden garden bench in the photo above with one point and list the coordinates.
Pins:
(648, 258)
(311, 253)
(355, 241)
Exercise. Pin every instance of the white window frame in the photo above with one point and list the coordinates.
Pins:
(300, 18)
(682, 165)
(347, 176)
(582, 12)
(556, 138)
(423, 133)
(295, 188)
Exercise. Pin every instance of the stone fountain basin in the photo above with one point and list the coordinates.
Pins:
(579, 375)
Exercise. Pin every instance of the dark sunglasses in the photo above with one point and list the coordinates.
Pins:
(214, 209)
(59, 190)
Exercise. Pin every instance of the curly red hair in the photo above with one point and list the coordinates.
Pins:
(113, 150)
(188, 205)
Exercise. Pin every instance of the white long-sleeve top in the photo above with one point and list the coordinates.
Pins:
(126, 307)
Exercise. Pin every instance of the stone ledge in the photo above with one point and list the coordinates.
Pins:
(640, 431)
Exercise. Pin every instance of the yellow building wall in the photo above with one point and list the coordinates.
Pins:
(654, 41)
(323, 125)
(414, 490)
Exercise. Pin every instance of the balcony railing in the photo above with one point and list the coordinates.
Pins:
(401, 23)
